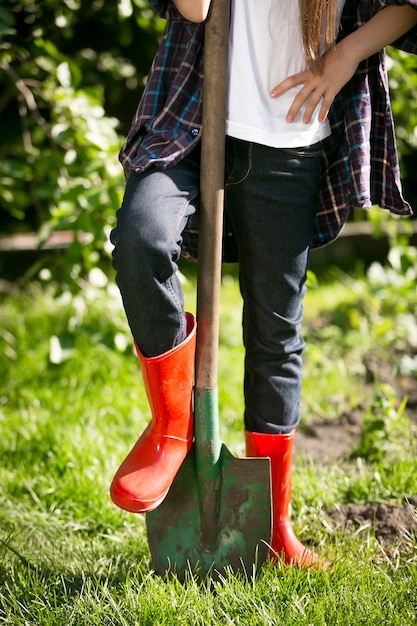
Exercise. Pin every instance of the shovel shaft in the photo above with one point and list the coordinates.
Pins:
(206, 429)
(212, 193)
(208, 463)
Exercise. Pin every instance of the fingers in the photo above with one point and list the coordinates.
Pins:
(288, 83)
(308, 96)
(324, 109)
(316, 96)
(313, 91)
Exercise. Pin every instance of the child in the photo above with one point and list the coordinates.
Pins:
(309, 133)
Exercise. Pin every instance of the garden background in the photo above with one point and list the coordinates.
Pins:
(71, 395)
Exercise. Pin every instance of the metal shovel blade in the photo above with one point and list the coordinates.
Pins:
(217, 513)
(181, 539)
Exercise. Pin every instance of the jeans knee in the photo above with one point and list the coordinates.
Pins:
(143, 251)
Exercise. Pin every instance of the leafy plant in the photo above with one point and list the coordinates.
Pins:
(62, 70)
(403, 83)
(384, 427)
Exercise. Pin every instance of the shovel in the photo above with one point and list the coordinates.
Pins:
(216, 516)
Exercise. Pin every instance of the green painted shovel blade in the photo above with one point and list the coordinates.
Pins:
(186, 534)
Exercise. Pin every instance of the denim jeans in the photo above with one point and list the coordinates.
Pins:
(271, 199)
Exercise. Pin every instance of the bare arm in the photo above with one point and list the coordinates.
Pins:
(193, 10)
(341, 62)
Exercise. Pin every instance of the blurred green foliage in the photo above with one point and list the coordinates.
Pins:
(71, 73)
(402, 70)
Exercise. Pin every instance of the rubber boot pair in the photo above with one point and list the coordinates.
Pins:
(284, 543)
(145, 476)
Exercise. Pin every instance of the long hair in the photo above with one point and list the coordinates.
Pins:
(318, 26)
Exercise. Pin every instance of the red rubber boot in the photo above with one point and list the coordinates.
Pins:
(284, 543)
(145, 476)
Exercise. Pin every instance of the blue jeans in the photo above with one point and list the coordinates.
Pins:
(271, 199)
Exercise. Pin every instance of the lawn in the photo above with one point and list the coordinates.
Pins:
(72, 403)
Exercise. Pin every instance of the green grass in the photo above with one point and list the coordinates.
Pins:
(72, 403)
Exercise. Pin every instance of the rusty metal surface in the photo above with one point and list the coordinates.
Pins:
(239, 539)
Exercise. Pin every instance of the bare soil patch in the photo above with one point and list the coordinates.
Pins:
(394, 525)
(327, 441)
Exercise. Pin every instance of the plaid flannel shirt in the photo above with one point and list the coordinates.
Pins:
(360, 162)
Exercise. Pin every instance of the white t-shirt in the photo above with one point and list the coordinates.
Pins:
(265, 47)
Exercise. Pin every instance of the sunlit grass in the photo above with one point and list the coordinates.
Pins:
(72, 403)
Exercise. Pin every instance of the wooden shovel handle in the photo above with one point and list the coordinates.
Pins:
(212, 192)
